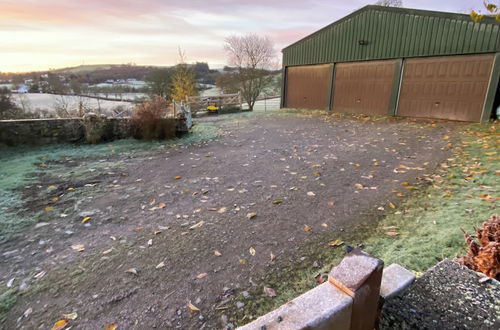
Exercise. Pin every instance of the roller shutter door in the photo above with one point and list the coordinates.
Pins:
(448, 87)
(307, 87)
(363, 87)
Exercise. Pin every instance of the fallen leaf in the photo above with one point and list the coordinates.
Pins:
(317, 173)
(447, 195)
(48, 208)
(277, 202)
(319, 278)
(59, 325)
(359, 186)
(78, 247)
(222, 210)
(150, 242)
(217, 253)
(252, 251)
(200, 276)
(112, 326)
(251, 215)
(54, 199)
(307, 228)
(392, 206)
(272, 256)
(177, 177)
(243, 261)
(132, 271)
(156, 232)
(392, 233)
(107, 251)
(160, 265)
(446, 137)
(269, 292)
(52, 187)
(331, 204)
(70, 189)
(337, 242)
(162, 205)
(198, 225)
(85, 219)
(324, 225)
(405, 183)
(71, 316)
(311, 193)
(192, 308)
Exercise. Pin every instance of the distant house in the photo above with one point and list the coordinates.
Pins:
(23, 89)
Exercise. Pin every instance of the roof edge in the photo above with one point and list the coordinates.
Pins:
(444, 14)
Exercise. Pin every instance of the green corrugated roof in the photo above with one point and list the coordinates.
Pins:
(394, 33)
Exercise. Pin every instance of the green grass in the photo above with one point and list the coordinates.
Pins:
(7, 299)
(429, 232)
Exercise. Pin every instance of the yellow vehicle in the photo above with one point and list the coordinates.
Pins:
(212, 108)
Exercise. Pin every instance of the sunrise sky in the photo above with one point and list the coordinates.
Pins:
(43, 34)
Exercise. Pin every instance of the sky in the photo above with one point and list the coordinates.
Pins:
(44, 34)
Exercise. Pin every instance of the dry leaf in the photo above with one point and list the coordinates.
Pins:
(150, 242)
(70, 189)
(272, 256)
(198, 225)
(132, 271)
(324, 225)
(200, 276)
(54, 199)
(160, 265)
(222, 210)
(162, 205)
(392, 233)
(319, 278)
(177, 177)
(392, 206)
(85, 219)
(112, 326)
(331, 204)
(278, 202)
(156, 232)
(311, 193)
(252, 251)
(52, 187)
(78, 247)
(337, 242)
(251, 215)
(269, 292)
(71, 316)
(59, 325)
(217, 253)
(243, 261)
(359, 186)
(405, 183)
(446, 138)
(447, 195)
(307, 228)
(192, 308)
(48, 208)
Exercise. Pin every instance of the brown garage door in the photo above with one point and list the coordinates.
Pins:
(448, 87)
(307, 87)
(363, 87)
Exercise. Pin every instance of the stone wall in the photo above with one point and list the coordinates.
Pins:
(46, 131)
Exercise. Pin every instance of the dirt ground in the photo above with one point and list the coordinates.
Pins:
(205, 223)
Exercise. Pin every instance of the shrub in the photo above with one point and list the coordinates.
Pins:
(149, 120)
(484, 254)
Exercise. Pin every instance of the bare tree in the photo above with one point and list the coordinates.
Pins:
(253, 57)
(390, 3)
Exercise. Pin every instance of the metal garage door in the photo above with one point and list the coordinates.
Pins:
(448, 87)
(363, 87)
(307, 87)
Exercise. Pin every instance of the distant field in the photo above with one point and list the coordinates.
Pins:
(47, 103)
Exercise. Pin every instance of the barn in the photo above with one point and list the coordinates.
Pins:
(397, 61)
